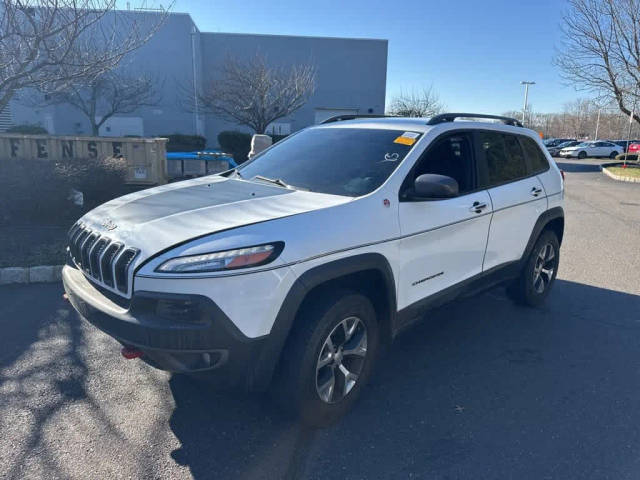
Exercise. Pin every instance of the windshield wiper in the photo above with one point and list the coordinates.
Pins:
(276, 181)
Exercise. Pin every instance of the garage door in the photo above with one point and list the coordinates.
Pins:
(323, 114)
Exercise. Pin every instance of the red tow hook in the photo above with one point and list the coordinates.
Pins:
(130, 353)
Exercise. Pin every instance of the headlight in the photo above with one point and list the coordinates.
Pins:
(226, 260)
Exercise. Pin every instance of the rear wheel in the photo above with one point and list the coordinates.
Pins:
(539, 273)
(582, 155)
(614, 154)
(328, 357)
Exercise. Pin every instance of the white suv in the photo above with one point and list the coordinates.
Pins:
(293, 270)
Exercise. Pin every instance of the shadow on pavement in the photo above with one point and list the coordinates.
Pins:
(61, 410)
(579, 167)
(480, 389)
(41, 370)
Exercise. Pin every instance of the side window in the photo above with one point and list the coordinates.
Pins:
(503, 156)
(536, 158)
(451, 156)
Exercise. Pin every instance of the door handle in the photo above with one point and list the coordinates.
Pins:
(477, 207)
(535, 191)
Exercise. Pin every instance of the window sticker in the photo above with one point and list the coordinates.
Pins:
(391, 157)
(407, 138)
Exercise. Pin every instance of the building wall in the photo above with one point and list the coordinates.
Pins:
(351, 74)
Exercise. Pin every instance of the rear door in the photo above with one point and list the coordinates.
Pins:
(517, 196)
(442, 240)
(601, 149)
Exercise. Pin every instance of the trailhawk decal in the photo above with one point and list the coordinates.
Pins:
(422, 280)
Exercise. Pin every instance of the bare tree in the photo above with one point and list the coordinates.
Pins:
(425, 103)
(48, 44)
(601, 50)
(581, 119)
(111, 93)
(254, 93)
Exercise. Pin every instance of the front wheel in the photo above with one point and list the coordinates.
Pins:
(582, 155)
(539, 273)
(328, 357)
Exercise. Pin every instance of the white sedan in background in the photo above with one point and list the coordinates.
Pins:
(591, 149)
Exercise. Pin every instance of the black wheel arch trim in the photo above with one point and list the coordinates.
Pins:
(270, 355)
(543, 220)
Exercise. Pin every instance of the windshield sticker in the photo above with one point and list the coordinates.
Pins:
(407, 138)
(391, 157)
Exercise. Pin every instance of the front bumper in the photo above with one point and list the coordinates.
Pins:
(175, 332)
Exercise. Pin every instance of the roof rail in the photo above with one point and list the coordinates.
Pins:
(340, 118)
(450, 117)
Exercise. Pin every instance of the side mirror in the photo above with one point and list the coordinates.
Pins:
(431, 186)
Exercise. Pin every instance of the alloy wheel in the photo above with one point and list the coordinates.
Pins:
(544, 268)
(341, 360)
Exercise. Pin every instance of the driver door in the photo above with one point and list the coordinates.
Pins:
(443, 240)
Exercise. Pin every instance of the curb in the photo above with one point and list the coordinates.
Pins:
(620, 178)
(38, 274)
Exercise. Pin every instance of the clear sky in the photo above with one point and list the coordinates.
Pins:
(474, 53)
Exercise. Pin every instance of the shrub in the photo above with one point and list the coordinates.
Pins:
(28, 129)
(629, 156)
(236, 143)
(99, 179)
(38, 192)
(30, 192)
(185, 143)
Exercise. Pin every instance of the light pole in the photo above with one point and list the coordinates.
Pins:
(526, 97)
(196, 109)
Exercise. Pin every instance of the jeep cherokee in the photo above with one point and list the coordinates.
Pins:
(294, 269)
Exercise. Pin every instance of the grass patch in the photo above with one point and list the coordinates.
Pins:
(32, 246)
(625, 172)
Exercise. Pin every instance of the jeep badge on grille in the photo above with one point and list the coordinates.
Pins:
(108, 224)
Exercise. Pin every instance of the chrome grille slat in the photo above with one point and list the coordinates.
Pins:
(76, 242)
(101, 258)
(121, 268)
(85, 250)
(94, 257)
(107, 263)
(73, 235)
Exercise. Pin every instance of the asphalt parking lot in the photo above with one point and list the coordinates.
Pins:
(482, 389)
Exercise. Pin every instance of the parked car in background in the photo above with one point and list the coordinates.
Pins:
(554, 142)
(554, 151)
(634, 147)
(591, 149)
(625, 144)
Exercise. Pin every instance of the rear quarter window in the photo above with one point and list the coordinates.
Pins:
(503, 157)
(537, 159)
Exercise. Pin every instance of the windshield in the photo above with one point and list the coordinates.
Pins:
(339, 161)
(566, 144)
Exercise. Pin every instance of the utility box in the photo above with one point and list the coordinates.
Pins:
(145, 157)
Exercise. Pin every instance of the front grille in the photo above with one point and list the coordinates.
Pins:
(107, 261)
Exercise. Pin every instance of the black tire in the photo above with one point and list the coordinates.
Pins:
(582, 155)
(526, 289)
(295, 384)
(613, 154)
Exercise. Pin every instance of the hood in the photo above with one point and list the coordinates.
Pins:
(159, 218)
